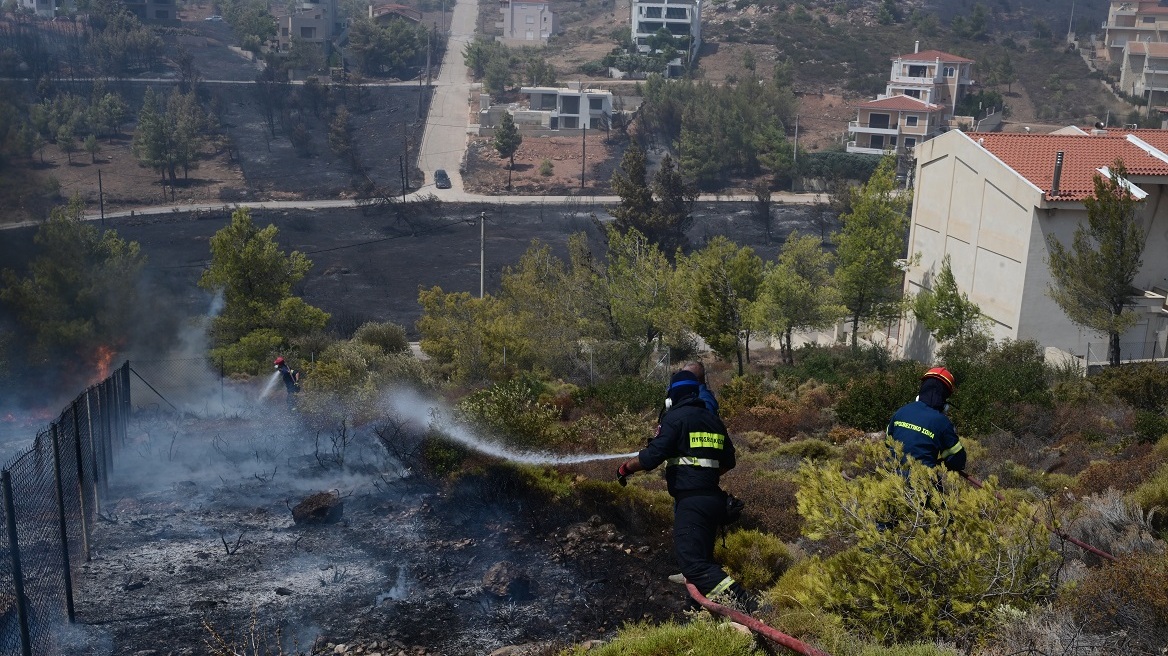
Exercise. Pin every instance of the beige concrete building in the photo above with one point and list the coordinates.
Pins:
(1144, 71)
(991, 201)
(526, 22)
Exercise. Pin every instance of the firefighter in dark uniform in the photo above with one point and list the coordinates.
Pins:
(694, 445)
(922, 427)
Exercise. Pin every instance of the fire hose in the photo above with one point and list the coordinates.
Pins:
(972, 480)
(754, 625)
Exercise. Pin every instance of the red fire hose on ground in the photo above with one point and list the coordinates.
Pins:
(754, 625)
(972, 480)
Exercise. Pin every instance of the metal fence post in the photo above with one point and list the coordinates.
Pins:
(17, 575)
(107, 420)
(80, 480)
(67, 569)
(93, 445)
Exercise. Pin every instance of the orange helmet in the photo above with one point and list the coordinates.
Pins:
(942, 374)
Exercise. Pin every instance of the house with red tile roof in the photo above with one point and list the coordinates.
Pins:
(923, 90)
(992, 201)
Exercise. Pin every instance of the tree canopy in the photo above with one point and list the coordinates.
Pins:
(1092, 280)
(256, 280)
(81, 290)
(946, 311)
(869, 245)
(798, 292)
(507, 141)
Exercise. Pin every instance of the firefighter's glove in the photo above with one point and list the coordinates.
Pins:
(622, 475)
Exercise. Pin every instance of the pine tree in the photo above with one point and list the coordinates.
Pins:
(797, 292)
(723, 281)
(92, 147)
(1092, 280)
(631, 184)
(946, 311)
(672, 216)
(868, 247)
(507, 141)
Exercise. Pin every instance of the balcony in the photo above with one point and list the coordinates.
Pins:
(865, 128)
(924, 81)
(853, 148)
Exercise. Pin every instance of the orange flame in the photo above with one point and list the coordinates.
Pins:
(102, 360)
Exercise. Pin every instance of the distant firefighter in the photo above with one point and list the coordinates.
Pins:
(291, 379)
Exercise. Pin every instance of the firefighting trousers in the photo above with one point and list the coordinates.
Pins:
(696, 520)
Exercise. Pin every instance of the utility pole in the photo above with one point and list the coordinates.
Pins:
(795, 154)
(1071, 22)
(100, 198)
(583, 151)
(482, 250)
(402, 171)
(406, 169)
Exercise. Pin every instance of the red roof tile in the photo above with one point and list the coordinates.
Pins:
(934, 55)
(1033, 157)
(900, 103)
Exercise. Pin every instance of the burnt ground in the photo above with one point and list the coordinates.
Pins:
(368, 265)
(197, 536)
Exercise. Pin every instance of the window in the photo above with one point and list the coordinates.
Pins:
(918, 71)
(570, 105)
(910, 121)
(1148, 19)
(530, 36)
(950, 71)
(676, 12)
(161, 14)
(531, 20)
(654, 12)
(308, 33)
(596, 103)
(909, 142)
(913, 93)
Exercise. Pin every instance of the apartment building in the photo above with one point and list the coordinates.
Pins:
(680, 18)
(921, 97)
(526, 22)
(991, 202)
(1133, 21)
(551, 109)
(1144, 71)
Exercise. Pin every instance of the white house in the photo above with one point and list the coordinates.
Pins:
(526, 22)
(680, 18)
(990, 201)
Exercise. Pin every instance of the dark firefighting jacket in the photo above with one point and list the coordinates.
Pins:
(927, 435)
(694, 445)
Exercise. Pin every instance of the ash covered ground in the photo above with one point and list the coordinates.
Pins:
(197, 535)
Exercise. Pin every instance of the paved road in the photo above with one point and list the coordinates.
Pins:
(444, 139)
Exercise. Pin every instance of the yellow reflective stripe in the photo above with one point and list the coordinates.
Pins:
(722, 586)
(693, 462)
(950, 451)
(699, 439)
(923, 431)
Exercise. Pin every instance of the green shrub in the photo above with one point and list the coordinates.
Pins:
(809, 449)
(836, 165)
(1153, 493)
(441, 457)
(927, 556)
(627, 394)
(754, 558)
(546, 168)
(1143, 385)
(835, 365)
(389, 337)
(511, 410)
(703, 635)
(993, 380)
(867, 403)
(739, 393)
(1150, 426)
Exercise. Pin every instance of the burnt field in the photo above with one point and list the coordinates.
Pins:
(198, 552)
(368, 265)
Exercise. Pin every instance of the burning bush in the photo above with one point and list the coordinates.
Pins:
(930, 556)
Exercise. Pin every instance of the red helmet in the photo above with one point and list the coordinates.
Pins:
(942, 374)
(279, 361)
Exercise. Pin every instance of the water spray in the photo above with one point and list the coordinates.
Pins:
(415, 408)
(271, 384)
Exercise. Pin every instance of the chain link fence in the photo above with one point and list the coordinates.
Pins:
(51, 496)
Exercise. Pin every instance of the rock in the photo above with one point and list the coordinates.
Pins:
(508, 580)
(283, 592)
(341, 649)
(319, 508)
